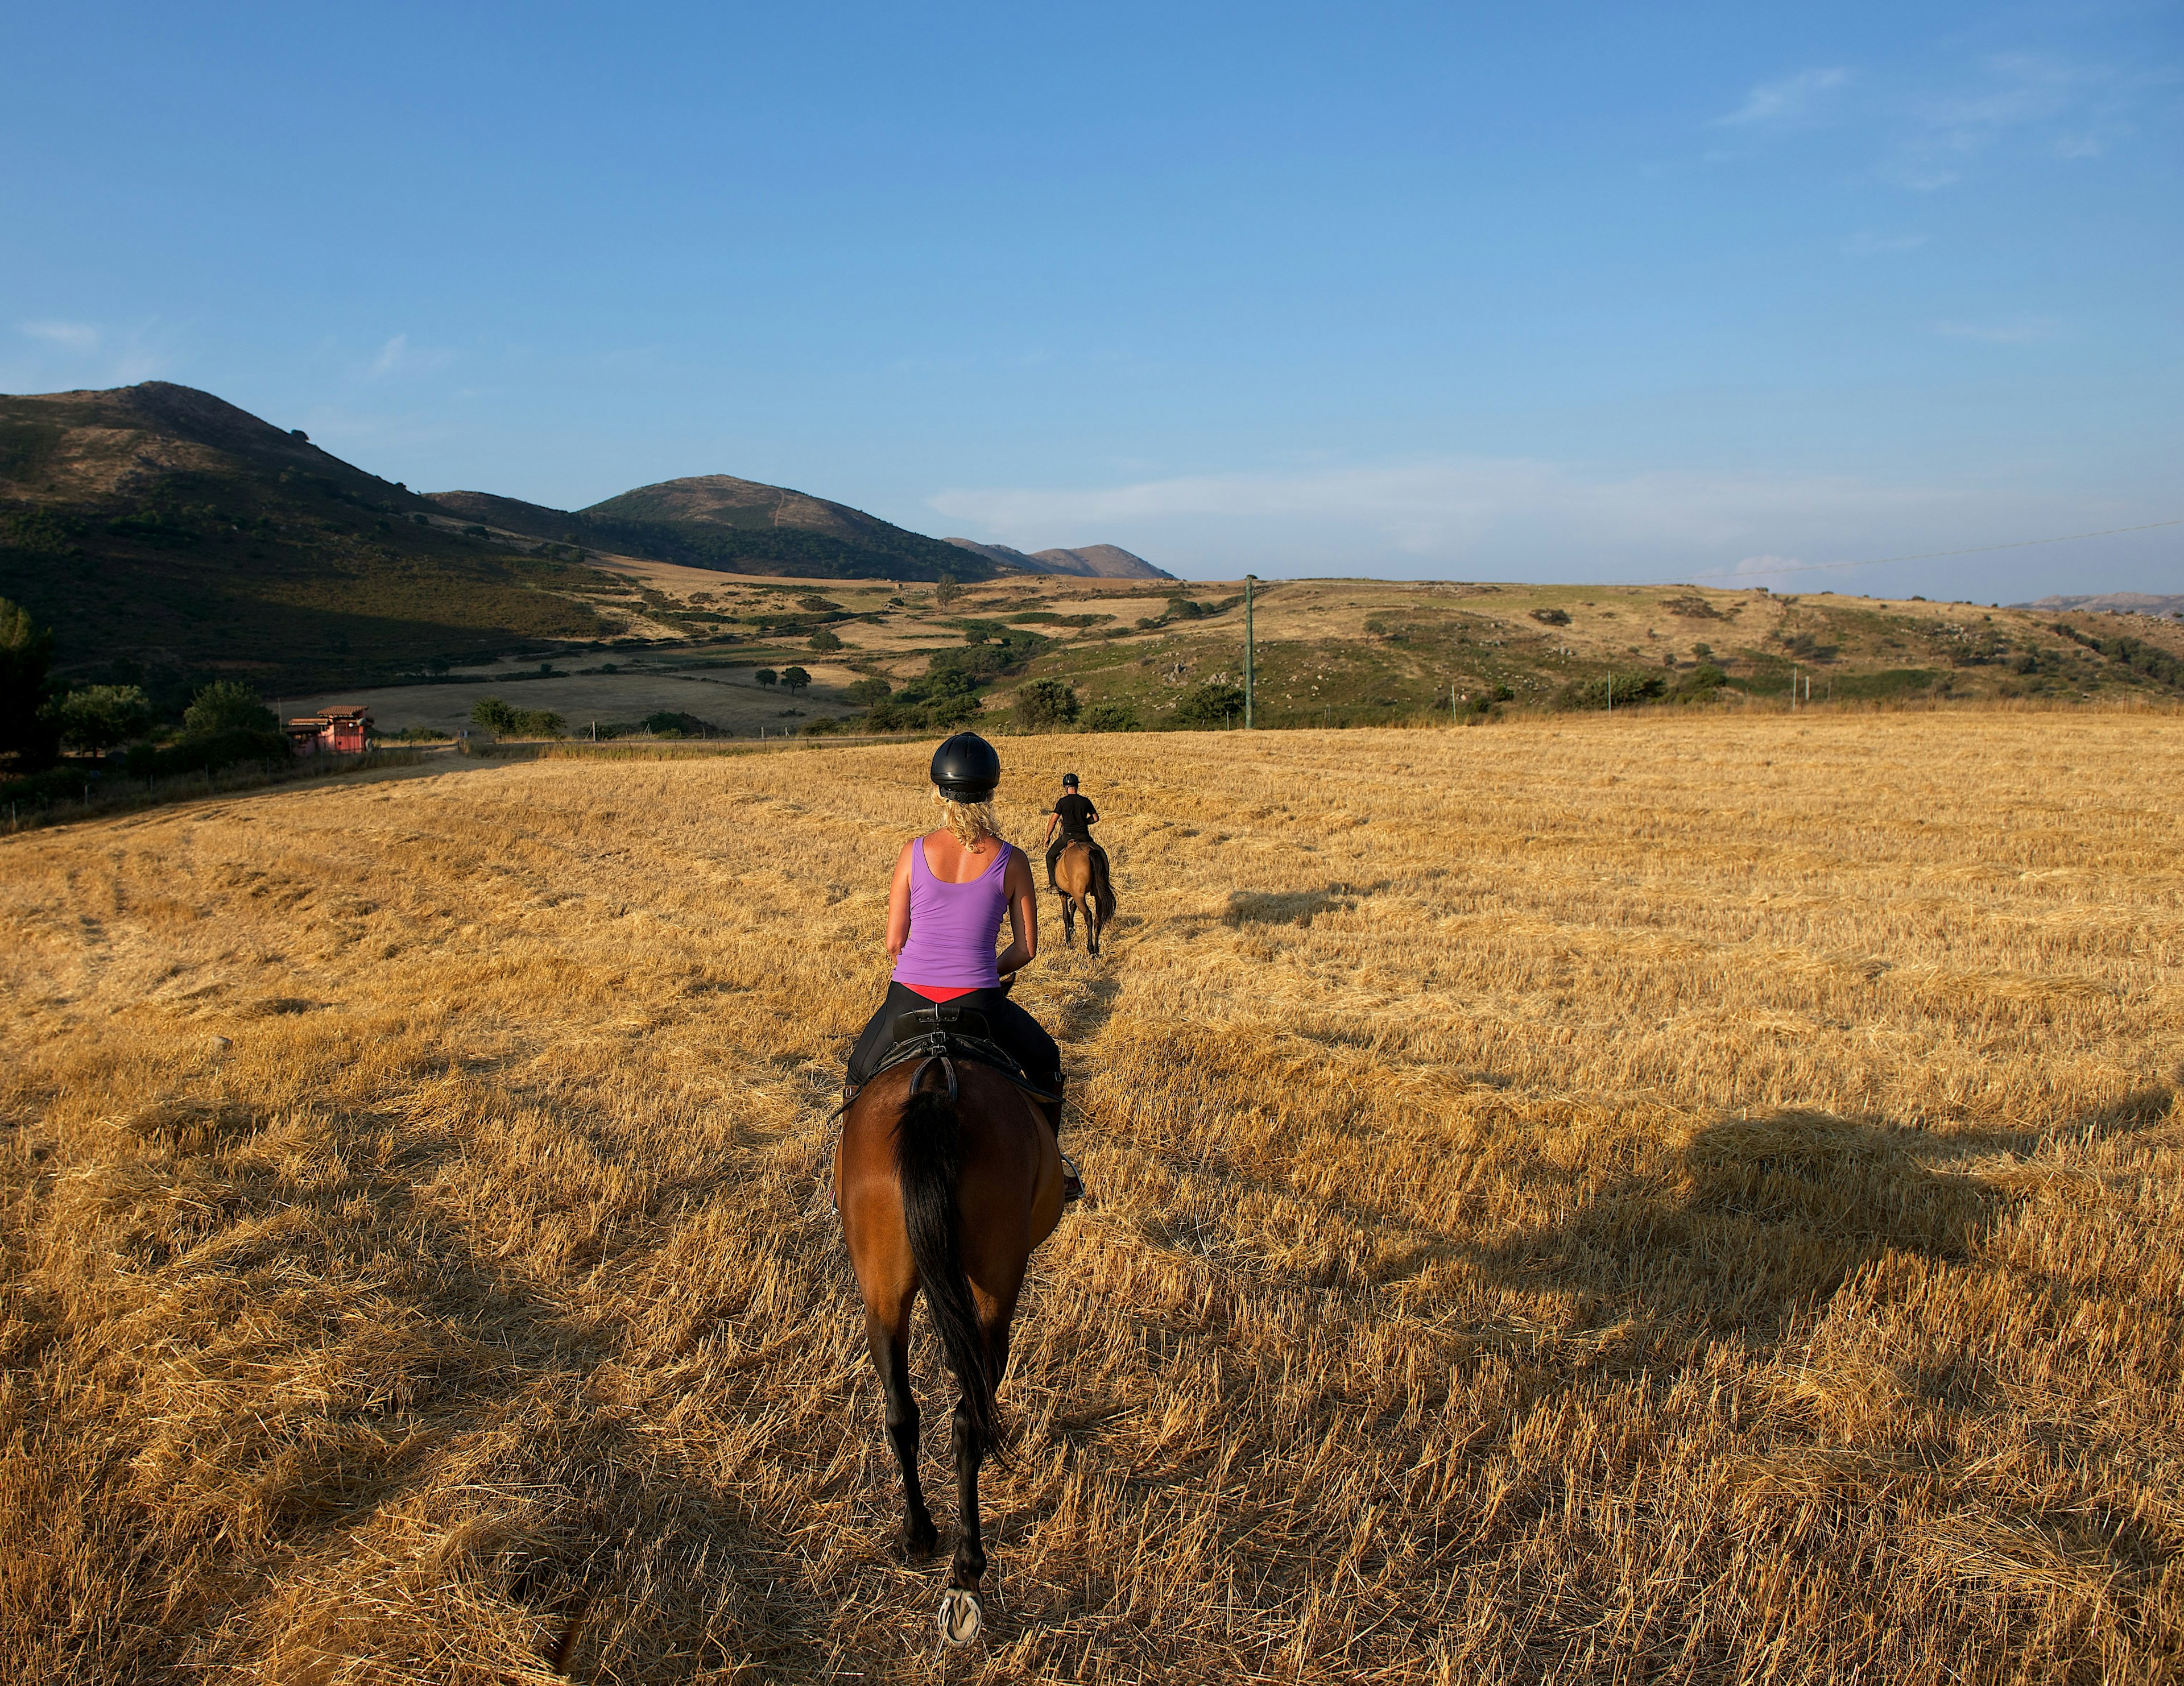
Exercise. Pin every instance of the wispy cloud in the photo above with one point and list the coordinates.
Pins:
(2002, 330)
(70, 335)
(1792, 100)
(398, 357)
(1462, 514)
(2031, 101)
(1867, 244)
(83, 351)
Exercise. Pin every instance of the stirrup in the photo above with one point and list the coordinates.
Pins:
(1072, 1181)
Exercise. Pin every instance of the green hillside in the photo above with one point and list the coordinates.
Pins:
(734, 526)
(168, 537)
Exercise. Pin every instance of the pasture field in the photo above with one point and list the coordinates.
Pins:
(1669, 1198)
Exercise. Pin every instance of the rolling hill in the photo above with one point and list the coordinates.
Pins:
(168, 537)
(737, 526)
(1092, 562)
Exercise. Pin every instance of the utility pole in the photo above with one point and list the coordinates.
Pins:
(1249, 686)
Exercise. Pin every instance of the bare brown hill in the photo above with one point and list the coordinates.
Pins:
(1094, 561)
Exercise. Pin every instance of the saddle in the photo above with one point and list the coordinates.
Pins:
(946, 1033)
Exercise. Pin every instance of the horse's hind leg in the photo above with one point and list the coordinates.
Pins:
(890, 1341)
(962, 1613)
(1068, 920)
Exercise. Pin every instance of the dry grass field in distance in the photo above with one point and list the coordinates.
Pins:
(1670, 1198)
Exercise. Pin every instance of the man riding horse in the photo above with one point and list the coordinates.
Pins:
(1075, 817)
(944, 907)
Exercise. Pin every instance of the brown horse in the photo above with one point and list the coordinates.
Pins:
(1081, 874)
(948, 1175)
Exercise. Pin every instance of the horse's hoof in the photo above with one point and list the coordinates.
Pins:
(919, 1541)
(962, 1616)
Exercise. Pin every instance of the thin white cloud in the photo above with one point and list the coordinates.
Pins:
(1867, 244)
(2066, 110)
(398, 357)
(1792, 100)
(1469, 515)
(2002, 330)
(78, 337)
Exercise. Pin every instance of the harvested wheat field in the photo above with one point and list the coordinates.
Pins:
(1676, 1199)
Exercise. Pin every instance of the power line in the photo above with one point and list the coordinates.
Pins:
(1921, 556)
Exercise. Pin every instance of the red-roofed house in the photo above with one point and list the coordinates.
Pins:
(337, 732)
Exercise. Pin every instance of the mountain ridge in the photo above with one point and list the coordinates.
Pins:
(1093, 561)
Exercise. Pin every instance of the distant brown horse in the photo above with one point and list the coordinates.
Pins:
(948, 1175)
(1081, 876)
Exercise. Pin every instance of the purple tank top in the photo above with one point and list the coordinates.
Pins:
(952, 927)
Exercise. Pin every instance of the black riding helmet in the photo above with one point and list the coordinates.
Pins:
(966, 768)
(1069, 780)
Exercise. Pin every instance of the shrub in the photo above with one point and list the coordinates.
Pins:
(1210, 705)
(825, 640)
(227, 705)
(503, 720)
(1110, 717)
(1044, 704)
(1631, 689)
(1551, 617)
(98, 718)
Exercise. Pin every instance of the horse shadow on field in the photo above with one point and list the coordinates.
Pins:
(1753, 1218)
(1755, 1223)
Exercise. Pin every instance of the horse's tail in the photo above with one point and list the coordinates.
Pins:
(928, 1164)
(1103, 888)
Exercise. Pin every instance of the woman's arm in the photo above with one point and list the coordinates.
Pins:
(1024, 914)
(898, 925)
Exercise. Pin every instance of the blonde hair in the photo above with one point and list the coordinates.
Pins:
(968, 821)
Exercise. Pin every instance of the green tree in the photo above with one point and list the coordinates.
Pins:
(494, 715)
(1110, 717)
(766, 675)
(98, 718)
(227, 705)
(26, 660)
(1042, 705)
(1210, 705)
(864, 692)
(826, 639)
(945, 590)
(795, 678)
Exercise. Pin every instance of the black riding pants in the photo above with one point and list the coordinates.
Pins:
(1013, 1029)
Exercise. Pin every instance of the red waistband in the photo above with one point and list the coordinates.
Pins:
(939, 992)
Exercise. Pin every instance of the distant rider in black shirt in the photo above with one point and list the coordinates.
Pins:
(1076, 816)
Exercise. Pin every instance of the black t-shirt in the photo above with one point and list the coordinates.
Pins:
(1077, 815)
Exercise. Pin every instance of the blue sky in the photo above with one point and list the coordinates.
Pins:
(1587, 292)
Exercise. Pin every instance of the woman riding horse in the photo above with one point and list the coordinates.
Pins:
(947, 1174)
(944, 908)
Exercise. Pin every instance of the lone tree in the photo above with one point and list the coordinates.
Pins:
(98, 718)
(826, 639)
(227, 705)
(766, 675)
(945, 590)
(1042, 705)
(795, 678)
(26, 660)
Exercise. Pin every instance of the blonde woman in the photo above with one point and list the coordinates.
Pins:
(951, 888)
